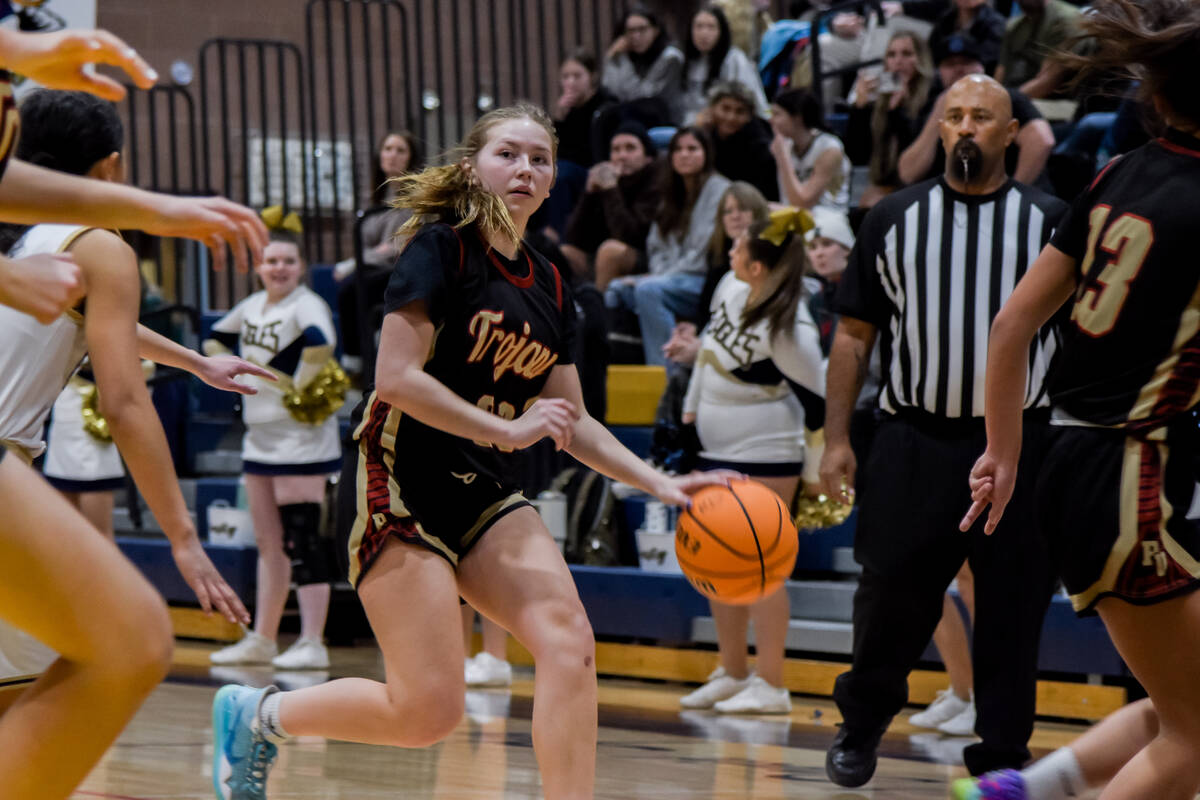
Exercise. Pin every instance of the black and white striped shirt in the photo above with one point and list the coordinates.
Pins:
(931, 269)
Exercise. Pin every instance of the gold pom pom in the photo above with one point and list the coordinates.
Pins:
(820, 512)
(321, 398)
(95, 424)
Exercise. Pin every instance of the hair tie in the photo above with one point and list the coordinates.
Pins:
(785, 221)
(275, 220)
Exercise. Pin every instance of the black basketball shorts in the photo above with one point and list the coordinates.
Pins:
(1114, 511)
(431, 504)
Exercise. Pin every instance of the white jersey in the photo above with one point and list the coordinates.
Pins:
(263, 332)
(745, 409)
(837, 195)
(36, 360)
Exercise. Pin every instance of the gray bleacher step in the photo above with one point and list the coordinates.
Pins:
(123, 525)
(219, 462)
(843, 561)
(810, 635)
(828, 601)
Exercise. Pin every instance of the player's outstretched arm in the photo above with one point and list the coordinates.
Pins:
(1041, 292)
(594, 445)
(110, 325)
(30, 195)
(218, 371)
(60, 60)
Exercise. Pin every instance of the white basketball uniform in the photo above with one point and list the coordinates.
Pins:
(275, 442)
(746, 411)
(37, 360)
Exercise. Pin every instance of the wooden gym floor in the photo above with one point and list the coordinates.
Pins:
(648, 749)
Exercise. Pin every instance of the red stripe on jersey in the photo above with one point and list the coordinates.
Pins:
(557, 285)
(1176, 396)
(520, 283)
(1178, 148)
(462, 251)
(1104, 170)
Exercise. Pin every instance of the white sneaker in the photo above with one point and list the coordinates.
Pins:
(252, 649)
(945, 706)
(487, 670)
(962, 723)
(718, 687)
(759, 697)
(305, 653)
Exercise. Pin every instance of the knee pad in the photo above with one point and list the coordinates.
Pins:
(311, 552)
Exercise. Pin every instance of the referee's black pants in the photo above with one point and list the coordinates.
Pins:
(913, 494)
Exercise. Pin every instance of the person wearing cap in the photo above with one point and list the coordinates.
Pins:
(977, 19)
(957, 56)
(612, 220)
(741, 138)
(829, 245)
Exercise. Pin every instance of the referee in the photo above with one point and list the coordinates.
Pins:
(932, 266)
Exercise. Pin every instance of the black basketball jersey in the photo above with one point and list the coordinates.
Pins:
(1131, 352)
(501, 326)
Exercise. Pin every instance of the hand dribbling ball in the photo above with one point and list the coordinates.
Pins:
(736, 543)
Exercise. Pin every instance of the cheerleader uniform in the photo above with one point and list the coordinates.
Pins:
(76, 460)
(755, 395)
(294, 337)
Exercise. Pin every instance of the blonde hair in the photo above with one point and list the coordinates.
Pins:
(448, 193)
(749, 199)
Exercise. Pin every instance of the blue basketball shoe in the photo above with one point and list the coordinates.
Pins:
(242, 756)
(1001, 784)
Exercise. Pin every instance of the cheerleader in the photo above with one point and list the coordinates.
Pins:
(756, 395)
(289, 450)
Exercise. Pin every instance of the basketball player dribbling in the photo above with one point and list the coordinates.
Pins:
(432, 510)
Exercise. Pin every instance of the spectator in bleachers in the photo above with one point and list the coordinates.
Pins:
(741, 138)
(1045, 26)
(829, 245)
(575, 116)
(613, 218)
(642, 70)
(709, 57)
(956, 57)
(810, 162)
(579, 99)
(757, 398)
(741, 206)
(884, 118)
(399, 152)
(979, 20)
(676, 245)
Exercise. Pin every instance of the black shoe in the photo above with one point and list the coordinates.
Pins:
(851, 758)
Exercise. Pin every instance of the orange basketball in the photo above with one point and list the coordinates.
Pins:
(736, 543)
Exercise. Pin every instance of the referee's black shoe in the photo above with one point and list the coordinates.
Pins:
(851, 758)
